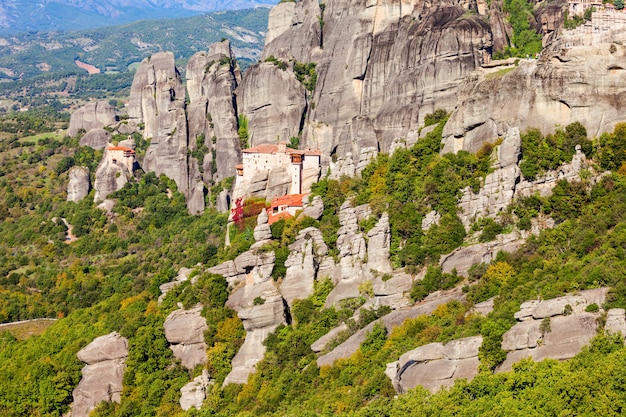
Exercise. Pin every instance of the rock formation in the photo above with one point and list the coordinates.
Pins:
(395, 318)
(157, 99)
(112, 175)
(384, 67)
(102, 376)
(551, 329)
(94, 115)
(305, 256)
(79, 184)
(194, 393)
(544, 93)
(211, 81)
(436, 365)
(184, 330)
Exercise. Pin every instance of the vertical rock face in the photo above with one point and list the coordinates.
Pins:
(211, 81)
(544, 93)
(273, 101)
(194, 393)
(103, 374)
(79, 184)
(305, 256)
(384, 66)
(184, 330)
(92, 116)
(157, 99)
(294, 31)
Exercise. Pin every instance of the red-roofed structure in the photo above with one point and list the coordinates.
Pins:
(121, 155)
(284, 207)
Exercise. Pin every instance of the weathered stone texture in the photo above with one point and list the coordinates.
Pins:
(95, 115)
(184, 330)
(102, 376)
(79, 184)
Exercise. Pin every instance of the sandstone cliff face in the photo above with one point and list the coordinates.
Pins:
(157, 99)
(294, 31)
(384, 67)
(103, 374)
(554, 90)
(273, 101)
(92, 116)
(211, 80)
(79, 184)
(96, 138)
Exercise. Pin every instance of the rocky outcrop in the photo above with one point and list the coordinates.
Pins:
(556, 329)
(273, 101)
(157, 98)
(305, 256)
(436, 365)
(395, 318)
(378, 246)
(616, 321)
(79, 184)
(313, 208)
(261, 308)
(211, 81)
(352, 252)
(94, 115)
(262, 231)
(96, 138)
(110, 175)
(102, 376)
(184, 330)
(552, 91)
(498, 189)
(194, 393)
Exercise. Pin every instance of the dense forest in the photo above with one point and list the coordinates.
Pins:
(108, 280)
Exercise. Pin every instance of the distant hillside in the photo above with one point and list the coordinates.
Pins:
(116, 48)
(17, 16)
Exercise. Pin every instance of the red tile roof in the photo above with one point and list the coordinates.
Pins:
(273, 218)
(290, 200)
(121, 148)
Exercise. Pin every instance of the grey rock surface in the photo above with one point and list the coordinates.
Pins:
(94, 115)
(436, 365)
(273, 100)
(395, 318)
(79, 184)
(302, 264)
(157, 98)
(96, 138)
(102, 376)
(194, 392)
(548, 330)
(184, 330)
(110, 177)
(544, 93)
(294, 31)
(616, 321)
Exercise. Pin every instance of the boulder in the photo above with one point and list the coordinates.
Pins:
(79, 184)
(104, 348)
(313, 208)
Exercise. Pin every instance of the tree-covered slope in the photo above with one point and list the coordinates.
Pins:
(107, 280)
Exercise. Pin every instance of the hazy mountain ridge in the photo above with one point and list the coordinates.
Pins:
(21, 16)
(114, 48)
